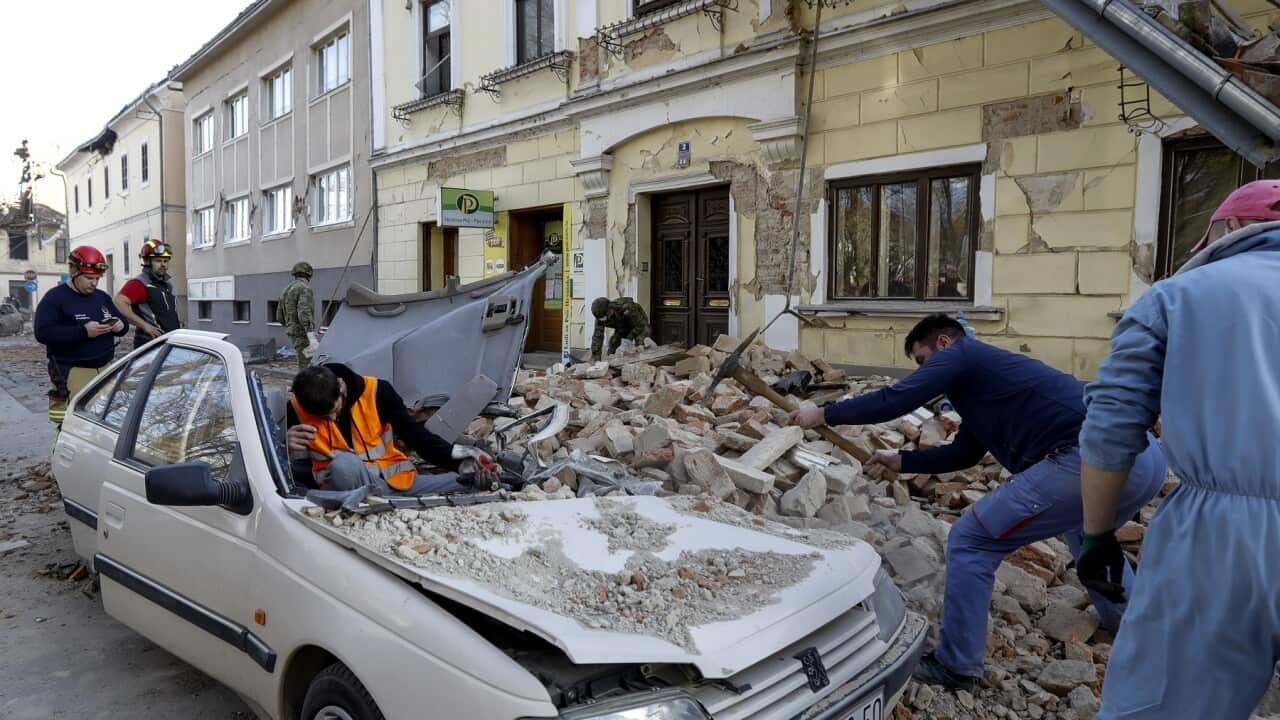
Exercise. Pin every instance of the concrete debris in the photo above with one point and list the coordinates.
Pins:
(737, 461)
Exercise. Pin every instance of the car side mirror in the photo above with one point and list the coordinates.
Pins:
(191, 484)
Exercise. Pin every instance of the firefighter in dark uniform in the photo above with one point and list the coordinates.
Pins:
(625, 317)
(147, 300)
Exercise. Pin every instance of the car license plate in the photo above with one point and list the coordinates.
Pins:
(870, 709)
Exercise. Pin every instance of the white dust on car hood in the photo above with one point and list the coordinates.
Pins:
(624, 579)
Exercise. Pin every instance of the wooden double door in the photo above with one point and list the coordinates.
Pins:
(690, 281)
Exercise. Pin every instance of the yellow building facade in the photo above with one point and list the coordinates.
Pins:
(961, 157)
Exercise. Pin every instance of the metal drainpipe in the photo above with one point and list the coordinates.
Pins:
(1219, 83)
(146, 98)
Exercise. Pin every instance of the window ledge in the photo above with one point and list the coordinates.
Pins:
(904, 308)
(277, 235)
(241, 322)
(208, 320)
(453, 98)
(558, 62)
(610, 36)
(272, 121)
(337, 225)
(236, 243)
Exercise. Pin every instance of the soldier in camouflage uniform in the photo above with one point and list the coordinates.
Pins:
(295, 312)
(624, 316)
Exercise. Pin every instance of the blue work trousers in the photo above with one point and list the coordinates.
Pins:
(1041, 502)
(1201, 637)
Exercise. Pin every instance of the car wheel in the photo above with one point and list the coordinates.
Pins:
(336, 694)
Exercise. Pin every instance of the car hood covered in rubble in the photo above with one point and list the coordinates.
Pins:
(821, 581)
(430, 344)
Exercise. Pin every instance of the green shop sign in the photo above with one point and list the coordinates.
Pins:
(464, 208)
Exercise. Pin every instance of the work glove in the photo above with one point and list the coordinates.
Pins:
(1101, 565)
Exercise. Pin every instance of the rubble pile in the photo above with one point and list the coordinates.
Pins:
(736, 457)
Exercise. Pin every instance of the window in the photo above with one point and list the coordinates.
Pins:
(186, 416)
(60, 246)
(334, 59)
(236, 216)
(333, 197)
(17, 245)
(124, 173)
(280, 93)
(535, 29)
(106, 183)
(331, 308)
(1199, 173)
(202, 228)
(242, 311)
(118, 399)
(89, 190)
(237, 116)
(146, 166)
(437, 73)
(202, 135)
(906, 236)
(204, 310)
(125, 265)
(273, 307)
(76, 192)
(644, 7)
(277, 216)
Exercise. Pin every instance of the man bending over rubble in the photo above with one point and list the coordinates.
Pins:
(1202, 634)
(346, 425)
(1027, 415)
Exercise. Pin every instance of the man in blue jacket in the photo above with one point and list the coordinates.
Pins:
(1202, 634)
(1028, 416)
(78, 324)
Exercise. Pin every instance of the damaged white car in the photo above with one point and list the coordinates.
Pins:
(175, 477)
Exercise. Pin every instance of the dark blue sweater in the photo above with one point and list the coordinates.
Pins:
(60, 326)
(1017, 408)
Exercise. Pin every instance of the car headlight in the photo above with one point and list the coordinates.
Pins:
(661, 705)
(888, 605)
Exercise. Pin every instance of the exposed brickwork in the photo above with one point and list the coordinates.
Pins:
(459, 164)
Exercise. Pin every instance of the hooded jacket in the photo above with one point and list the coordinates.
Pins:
(1198, 351)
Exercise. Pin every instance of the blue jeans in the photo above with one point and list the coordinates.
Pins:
(1041, 502)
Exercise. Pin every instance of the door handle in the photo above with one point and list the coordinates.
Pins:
(114, 515)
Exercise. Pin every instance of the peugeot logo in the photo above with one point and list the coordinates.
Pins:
(468, 203)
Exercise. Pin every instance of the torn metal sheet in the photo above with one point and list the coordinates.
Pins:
(430, 344)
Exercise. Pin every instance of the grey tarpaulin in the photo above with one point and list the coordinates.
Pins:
(429, 344)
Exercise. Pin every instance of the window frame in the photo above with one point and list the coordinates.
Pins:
(25, 245)
(520, 28)
(144, 169)
(202, 133)
(235, 312)
(271, 313)
(319, 196)
(1169, 149)
(231, 215)
(923, 178)
(106, 182)
(339, 40)
(76, 189)
(61, 249)
(286, 95)
(124, 173)
(89, 191)
(269, 210)
(444, 78)
(204, 234)
(112, 379)
(236, 116)
(201, 306)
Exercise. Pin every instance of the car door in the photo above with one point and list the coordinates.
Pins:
(180, 575)
(87, 442)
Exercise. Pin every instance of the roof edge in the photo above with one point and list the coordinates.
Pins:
(129, 107)
(189, 65)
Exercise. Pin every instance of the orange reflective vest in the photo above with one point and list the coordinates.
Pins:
(373, 441)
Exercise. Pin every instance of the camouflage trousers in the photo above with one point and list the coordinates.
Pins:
(300, 346)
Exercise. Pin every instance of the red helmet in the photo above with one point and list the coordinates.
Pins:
(86, 260)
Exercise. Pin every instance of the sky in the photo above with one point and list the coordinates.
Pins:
(70, 65)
